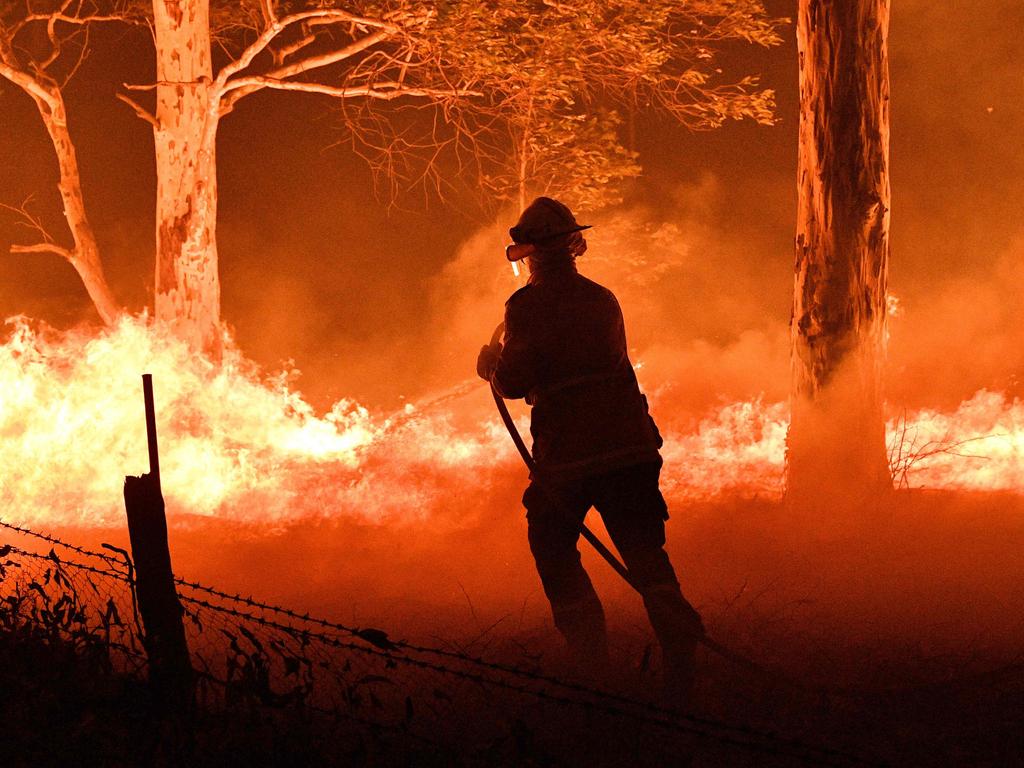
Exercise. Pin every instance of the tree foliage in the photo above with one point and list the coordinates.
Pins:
(520, 97)
(526, 97)
(557, 77)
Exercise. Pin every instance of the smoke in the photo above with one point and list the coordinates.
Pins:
(699, 324)
(385, 306)
(957, 180)
(961, 334)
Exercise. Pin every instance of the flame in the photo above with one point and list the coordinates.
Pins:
(739, 449)
(239, 445)
(979, 447)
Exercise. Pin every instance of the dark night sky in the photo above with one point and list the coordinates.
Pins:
(315, 268)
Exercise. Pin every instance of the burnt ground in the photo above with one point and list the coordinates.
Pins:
(896, 634)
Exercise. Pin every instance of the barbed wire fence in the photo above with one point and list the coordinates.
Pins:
(86, 604)
(358, 684)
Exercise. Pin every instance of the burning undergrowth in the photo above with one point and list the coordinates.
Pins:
(245, 447)
(409, 520)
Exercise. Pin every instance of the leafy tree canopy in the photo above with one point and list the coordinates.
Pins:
(527, 95)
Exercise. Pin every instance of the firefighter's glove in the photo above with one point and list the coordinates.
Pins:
(488, 360)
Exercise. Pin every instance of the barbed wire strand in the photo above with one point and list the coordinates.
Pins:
(54, 540)
(52, 557)
(616, 705)
(670, 720)
(505, 668)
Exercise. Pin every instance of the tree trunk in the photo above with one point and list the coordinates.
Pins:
(521, 185)
(187, 282)
(85, 256)
(836, 444)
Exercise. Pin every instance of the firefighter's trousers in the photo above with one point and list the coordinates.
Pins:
(634, 513)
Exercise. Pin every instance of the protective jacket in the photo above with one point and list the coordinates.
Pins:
(565, 352)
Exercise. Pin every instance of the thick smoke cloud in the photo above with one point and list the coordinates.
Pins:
(700, 324)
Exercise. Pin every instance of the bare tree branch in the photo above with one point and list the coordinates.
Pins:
(282, 53)
(44, 248)
(30, 221)
(332, 57)
(153, 86)
(33, 85)
(139, 110)
(83, 52)
(277, 26)
(68, 14)
(238, 91)
(381, 91)
(53, 18)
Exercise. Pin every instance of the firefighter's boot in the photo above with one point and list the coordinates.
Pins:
(679, 630)
(582, 624)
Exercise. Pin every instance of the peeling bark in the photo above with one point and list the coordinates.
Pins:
(836, 443)
(187, 281)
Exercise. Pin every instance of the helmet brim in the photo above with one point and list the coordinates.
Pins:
(519, 240)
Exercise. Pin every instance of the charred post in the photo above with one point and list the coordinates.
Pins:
(836, 443)
(170, 668)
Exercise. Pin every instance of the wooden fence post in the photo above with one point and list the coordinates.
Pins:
(170, 669)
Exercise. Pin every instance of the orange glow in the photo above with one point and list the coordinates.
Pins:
(240, 446)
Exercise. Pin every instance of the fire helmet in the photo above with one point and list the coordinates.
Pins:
(544, 219)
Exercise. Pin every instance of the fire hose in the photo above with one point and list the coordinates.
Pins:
(617, 565)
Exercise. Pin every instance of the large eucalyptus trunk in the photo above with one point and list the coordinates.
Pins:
(187, 280)
(836, 445)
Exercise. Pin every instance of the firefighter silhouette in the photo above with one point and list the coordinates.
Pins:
(594, 442)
